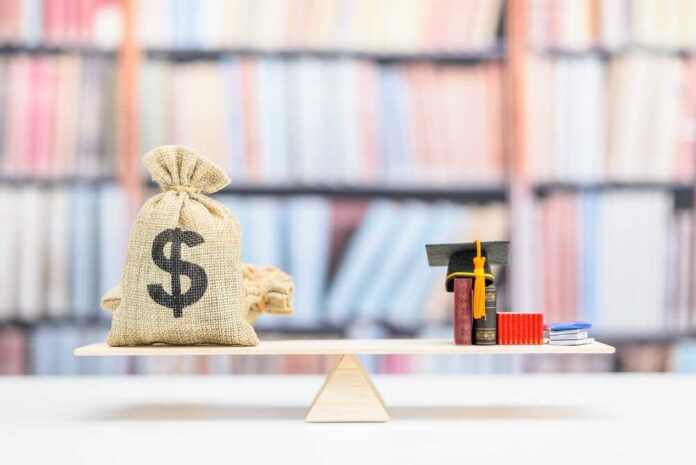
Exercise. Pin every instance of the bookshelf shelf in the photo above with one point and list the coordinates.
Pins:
(172, 54)
(607, 53)
(9, 49)
(470, 194)
(546, 187)
(348, 394)
(473, 192)
(683, 192)
(461, 57)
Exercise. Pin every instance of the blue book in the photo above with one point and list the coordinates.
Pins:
(589, 265)
(32, 14)
(113, 239)
(308, 248)
(567, 326)
(272, 121)
(362, 259)
(68, 337)
(44, 350)
(390, 110)
(234, 114)
(407, 307)
(400, 252)
(684, 357)
(85, 245)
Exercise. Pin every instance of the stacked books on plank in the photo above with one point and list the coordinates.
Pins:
(476, 320)
(573, 333)
(274, 120)
(470, 279)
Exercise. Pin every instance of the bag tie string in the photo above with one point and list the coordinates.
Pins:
(190, 190)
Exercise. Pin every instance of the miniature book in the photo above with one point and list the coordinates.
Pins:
(579, 342)
(567, 325)
(568, 333)
(485, 329)
(462, 311)
(520, 328)
(563, 336)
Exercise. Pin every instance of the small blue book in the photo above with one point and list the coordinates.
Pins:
(567, 325)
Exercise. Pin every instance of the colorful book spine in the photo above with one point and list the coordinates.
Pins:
(485, 329)
(520, 328)
(462, 311)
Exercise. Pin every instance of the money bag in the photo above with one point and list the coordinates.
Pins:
(182, 277)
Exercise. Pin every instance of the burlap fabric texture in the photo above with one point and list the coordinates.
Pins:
(182, 277)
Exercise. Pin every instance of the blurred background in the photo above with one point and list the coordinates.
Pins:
(354, 133)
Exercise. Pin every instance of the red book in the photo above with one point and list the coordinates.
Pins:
(463, 322)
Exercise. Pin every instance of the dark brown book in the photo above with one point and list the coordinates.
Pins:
(462, 311)
(485, 329)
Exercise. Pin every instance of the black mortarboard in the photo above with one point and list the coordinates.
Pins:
(459, 259)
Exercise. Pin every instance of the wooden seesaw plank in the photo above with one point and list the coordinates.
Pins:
(342, 346)
(348, 394)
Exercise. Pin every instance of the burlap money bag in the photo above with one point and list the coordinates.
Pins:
(182, 279)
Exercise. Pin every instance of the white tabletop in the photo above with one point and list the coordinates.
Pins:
(587, 419)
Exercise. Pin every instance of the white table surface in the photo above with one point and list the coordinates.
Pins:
(560, 419)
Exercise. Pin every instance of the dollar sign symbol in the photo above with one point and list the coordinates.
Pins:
(176, 266)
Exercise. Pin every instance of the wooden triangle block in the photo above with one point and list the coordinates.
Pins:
(347, 395)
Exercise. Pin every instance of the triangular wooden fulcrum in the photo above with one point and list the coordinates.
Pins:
(347, 396)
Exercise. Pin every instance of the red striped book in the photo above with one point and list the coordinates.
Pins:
(520, 328)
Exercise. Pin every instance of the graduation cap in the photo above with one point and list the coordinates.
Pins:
(470, 260)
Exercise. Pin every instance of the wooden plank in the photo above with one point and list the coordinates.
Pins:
(342, 346)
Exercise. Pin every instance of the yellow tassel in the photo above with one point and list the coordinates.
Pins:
(479, 309)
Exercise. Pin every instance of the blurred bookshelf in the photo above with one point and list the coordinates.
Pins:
(352, 137)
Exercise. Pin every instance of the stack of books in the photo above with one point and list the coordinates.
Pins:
(406, 26)
(330, 121)
(568, 334)
(84, 23)
(590, 239)
(57, 116)
(613, 24)
(593, 119)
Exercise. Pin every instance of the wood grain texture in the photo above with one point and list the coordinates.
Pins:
(342, 346)
(347, 396)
